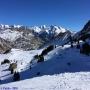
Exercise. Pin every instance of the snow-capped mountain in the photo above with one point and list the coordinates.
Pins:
(48, 33)
(31, 37)
(53, 29)
(10, 35)
(55, 66)
(2, 26)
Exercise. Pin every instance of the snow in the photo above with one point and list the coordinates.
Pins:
(67, 81)
(37, 29)
(49, 30)
(19, 55)
(7, 26)
(10, 35)
(55, 72)
(1, 26)
(17, 26)
(60, 30)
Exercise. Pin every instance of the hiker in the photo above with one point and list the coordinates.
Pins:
(16, 76)
(78, 45)
(71, 40)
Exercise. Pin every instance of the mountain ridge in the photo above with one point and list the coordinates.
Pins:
(23, 37)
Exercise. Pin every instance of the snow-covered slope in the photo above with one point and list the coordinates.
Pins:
(66, 81)
(64, 69)
(10, 35)
(20, 56)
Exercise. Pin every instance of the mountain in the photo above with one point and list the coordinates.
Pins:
(53, 29)
(84, 33)
(48, 32)
(47, 67)
(4, 46)
(2, 26)
(86, 28)
(27, 38)
(21, 39)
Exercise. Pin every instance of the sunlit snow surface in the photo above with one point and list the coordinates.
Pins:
(10, 35)
(55, 73)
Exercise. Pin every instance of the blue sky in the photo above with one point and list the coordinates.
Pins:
(72, 14)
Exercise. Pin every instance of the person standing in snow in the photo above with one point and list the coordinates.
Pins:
(78, 44)
(71, 41)
(16, 76)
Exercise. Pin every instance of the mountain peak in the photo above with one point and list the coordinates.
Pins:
(3, 26)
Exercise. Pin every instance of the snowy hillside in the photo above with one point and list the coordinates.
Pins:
(45, 58)
(66, 81)
(64, 69)
(10, 35)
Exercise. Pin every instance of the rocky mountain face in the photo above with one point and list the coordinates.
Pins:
(21, 39)
(86, 28)
(4, 46)
(48, 32)
(84, 33)
(27, 38)
(28, 41)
